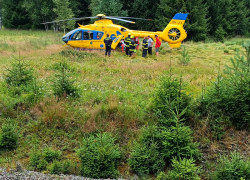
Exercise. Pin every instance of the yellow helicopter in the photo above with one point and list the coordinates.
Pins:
(92, 36)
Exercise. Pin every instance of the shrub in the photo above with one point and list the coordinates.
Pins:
(42, 164)
(230, 95)
(146, 156)
(34, 160)
(234, 167)
(178, 142)
(169, 95)
(73, 53)
(8, 137)
(63, 65)
(19, 74)
(226, 51)
(63, 85)
(67, 166)
(158, 145)
(146, 159)
(55, 167)
(50, 155)
(184, 59)
(184, 169)
(99, 156)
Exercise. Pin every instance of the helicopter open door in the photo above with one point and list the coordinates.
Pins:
(116, 41)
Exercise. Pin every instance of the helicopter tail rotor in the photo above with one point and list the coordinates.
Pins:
(174, 33)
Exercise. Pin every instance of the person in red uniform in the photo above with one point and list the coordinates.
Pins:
(136, 40)
(157, 45)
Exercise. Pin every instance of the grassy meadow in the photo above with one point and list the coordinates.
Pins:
(115, 95)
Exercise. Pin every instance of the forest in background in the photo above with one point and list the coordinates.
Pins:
(218, 19)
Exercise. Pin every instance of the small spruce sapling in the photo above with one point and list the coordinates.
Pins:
(184, 59)
(64, 85)
(8, 137)
(182, 169)
(99, 156)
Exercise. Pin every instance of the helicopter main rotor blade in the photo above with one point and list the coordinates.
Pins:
(71, 19)
(131, 18)
(109, 17)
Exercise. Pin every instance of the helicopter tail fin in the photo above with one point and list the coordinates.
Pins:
(174, 33)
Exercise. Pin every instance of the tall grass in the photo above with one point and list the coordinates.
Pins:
(115, 93)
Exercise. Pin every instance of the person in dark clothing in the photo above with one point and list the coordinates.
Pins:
(132, 46)
(108, 42)
(127, 42)
(145, 47)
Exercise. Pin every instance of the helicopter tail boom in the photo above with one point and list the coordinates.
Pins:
(174, 33)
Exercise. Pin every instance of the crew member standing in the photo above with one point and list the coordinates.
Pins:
(150, 45)
(136, 39)
(157, 45)
(127, 42)
(145, 47)
(108, 42)
(132, 46)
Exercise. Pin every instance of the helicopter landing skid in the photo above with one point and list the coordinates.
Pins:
(88, 49)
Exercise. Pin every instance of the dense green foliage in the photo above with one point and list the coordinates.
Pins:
(51, 160)
(64, 85)
(184, 59)
(157, 145)
(232, 168)
(50, 154)
(8, 137)
(230, 96)
(99, 156)
(218, 18)
(19, 74)
(196, 24)
(63, 11)
(182, 169)
(20, 81)
(169, 96)
(146, 156)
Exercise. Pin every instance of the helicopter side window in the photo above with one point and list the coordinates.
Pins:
(77, 36)
(87, 35)
(99, 35)
(123, 29)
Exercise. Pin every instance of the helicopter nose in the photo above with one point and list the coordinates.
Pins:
(65, 39)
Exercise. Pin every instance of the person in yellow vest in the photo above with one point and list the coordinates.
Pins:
(145, 47)
(127, 42)
(132, 45)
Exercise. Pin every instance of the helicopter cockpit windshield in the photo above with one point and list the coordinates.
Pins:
(77, 36)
